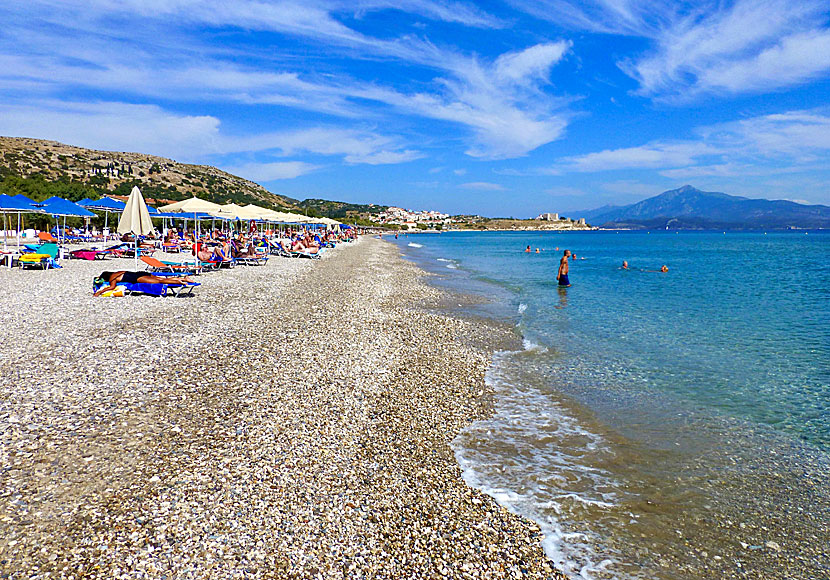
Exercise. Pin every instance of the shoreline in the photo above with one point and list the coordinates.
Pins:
(290, 420)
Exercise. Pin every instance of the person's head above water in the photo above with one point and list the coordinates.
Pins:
(625, 265)
(567, 253)
(664, 268)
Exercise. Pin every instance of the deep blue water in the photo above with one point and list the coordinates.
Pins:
(635, 380)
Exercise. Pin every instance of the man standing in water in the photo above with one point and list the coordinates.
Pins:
(562, 275)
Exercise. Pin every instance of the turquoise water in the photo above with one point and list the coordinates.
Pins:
(651, 416)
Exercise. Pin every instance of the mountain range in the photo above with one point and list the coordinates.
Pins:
(691, 208)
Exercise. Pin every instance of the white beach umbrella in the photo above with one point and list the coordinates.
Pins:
(194, 204)
(135, 219)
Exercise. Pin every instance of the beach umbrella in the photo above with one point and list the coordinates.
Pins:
(135, 219)
(15, 205)
(194, 204)
(59, 207)
(106, 205)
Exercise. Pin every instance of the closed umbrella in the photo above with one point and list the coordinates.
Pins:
(135, 219)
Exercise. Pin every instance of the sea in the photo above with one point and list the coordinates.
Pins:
(654, 425)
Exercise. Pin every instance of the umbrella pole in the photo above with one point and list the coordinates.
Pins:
(136, 251)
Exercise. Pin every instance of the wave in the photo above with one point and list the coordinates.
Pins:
(529, 345)
(414, 245)
(534, 458)
(522, 308)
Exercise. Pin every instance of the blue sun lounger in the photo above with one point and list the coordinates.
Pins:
(172, 289)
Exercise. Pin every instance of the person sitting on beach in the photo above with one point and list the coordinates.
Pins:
(125, 277)
(206, 255)
(299, 245)
(237, 250)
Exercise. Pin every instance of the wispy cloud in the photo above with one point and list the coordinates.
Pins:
(114, 126)
(747, 46)
(504, 102)
(149, 128)
(354, 145)
(769, 143)
(261, 172)
(482, 186)
(710, 47)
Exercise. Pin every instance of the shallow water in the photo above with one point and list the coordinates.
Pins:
(657, 425)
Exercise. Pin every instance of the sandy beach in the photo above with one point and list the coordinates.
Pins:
(288, 421)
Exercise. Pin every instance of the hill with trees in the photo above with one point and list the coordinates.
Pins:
(40, 169)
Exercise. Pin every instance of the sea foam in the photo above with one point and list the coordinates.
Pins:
(530, 458)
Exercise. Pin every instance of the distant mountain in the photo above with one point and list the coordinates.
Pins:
(691, 208)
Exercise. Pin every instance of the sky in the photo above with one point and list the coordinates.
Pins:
(509, 108)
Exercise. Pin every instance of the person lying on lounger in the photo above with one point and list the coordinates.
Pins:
(124, 277)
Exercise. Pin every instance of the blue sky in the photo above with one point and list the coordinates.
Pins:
(500, 108)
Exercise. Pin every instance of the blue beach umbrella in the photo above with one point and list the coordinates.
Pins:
(59, 207)
(106, 205)
(18, 204)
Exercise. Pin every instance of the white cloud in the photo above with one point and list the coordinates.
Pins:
(765, 144)
(636, 17)
(530, 64)
(272, 171)
(460, 171)
(114, 126)
(151, 129)
(385, 157)
(482, 186)
(707, 47)
(653, 155)
(356, 146)
(508, 112)
(503, 102)
(795, 59)
(749, 46)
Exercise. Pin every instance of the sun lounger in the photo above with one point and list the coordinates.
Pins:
(280, 250)
(159, 266)
(253, 261)
(172, 289)
(88, 254)
(45, 256)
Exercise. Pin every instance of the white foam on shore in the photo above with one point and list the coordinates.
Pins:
(531, 346)
(533, 458)
(414, 245)
(443, 260)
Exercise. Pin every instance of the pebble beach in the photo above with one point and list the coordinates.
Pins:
(291, 420)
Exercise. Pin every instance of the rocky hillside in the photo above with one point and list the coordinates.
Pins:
(117, 171)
